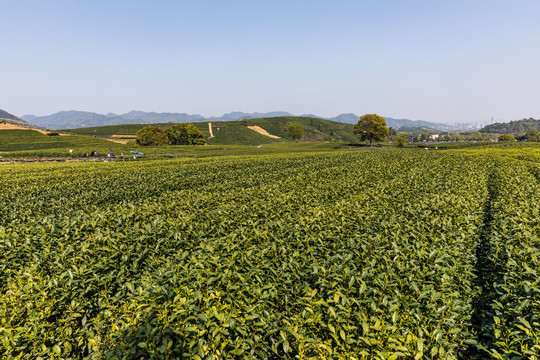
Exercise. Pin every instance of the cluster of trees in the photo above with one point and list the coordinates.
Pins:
(513, 127)
(178, 134)
(463, 136)
(531, 135)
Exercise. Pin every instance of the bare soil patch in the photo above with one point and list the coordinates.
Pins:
(123, 136)
(13, 127)
(18, 127)
(119, 141)
(261, 131)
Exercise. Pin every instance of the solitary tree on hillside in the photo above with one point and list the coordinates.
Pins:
(371, 127)
(296, 131)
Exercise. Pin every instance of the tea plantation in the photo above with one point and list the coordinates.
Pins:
(331, 255)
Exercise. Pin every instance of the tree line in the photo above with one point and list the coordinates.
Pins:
(513, 127)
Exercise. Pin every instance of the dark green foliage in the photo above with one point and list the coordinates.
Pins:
(532, 135)
(151, 136)
(53, 133)
(184, 134)
(513, 127)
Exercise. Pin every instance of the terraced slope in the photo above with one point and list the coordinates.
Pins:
(237, 132)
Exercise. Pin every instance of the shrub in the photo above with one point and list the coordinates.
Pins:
(506, 138)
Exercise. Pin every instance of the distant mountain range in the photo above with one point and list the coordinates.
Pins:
(78, 119)
(10, 118)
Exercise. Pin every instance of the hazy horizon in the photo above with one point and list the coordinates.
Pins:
(449, 62)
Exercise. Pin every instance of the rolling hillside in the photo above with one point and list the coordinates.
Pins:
(12, 119)
(235, 133)
(19, 143)
(513, 127)
(78, 119)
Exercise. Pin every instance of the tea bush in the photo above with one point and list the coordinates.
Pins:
(369, 255)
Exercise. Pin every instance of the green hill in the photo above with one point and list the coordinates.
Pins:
(238, 133)
(513, 127)
(23, 143)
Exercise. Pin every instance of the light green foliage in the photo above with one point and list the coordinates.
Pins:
(184, 134)
(295, 131)
(400, 140)
(511, 323)
(345, 255)
(371, 127)
(506, 138)
(151, 135)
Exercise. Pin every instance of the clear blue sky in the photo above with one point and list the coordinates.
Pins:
(436, 60)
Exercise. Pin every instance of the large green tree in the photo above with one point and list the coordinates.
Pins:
(150, 135)
(371, 127)
(185, 134)
(296, 131)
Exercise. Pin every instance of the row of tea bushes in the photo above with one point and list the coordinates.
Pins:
(337, 255)
(512, 324)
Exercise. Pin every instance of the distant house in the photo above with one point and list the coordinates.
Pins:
(433, 136)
